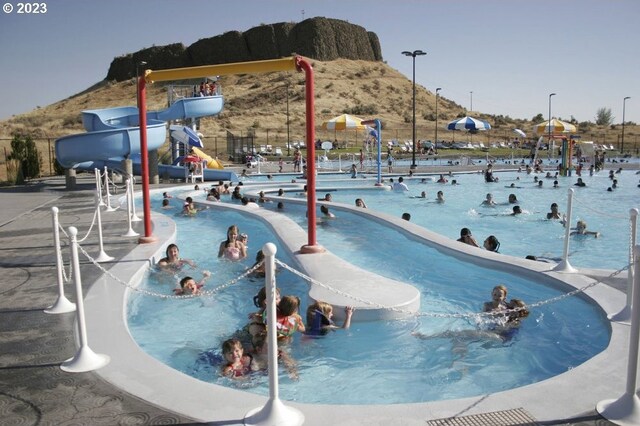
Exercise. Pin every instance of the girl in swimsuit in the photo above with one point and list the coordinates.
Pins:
(288, 320)
(172, 261)
(498, 299)
(320, 318)
(238, 363)
(232, 248)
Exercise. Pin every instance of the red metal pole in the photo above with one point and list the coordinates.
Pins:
(312, 246)
(144, 162)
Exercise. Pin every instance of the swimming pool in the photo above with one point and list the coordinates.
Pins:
(528, 234)
(390, 363)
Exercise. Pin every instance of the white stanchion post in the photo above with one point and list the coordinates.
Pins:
(107, 192)
(134, 216)
(99, 186)
(62, 304)
(340, 163)
(130, 232)
(85, 359)
(274, 412)
(102, 256)
(564, 265)
(259, 158)
(625, 410)
(624, 315)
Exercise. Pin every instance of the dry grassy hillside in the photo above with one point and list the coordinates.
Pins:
(259, 102)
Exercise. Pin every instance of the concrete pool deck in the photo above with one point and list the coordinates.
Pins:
(35, 390)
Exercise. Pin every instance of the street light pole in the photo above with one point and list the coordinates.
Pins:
(413, 55)
(549, 123)
(435, 141)
(471, 96)
(624, 101)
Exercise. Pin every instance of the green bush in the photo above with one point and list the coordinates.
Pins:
(24, 151)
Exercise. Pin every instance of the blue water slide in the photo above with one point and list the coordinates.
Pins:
(113, 134)
(174, 172)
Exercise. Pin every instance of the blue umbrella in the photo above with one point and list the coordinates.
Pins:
(186, 135)
(468, 123)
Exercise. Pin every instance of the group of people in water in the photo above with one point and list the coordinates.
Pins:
(246, 350)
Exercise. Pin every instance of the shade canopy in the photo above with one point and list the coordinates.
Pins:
(344, 122)
(186, 135)
(468, 123)
(555, 127)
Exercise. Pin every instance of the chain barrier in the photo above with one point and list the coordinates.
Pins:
(66, 277)
(116, 186)
(93, 222)
(443, 315)
(204, 293)
(598, 212)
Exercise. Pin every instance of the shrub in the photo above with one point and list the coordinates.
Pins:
(24, 151)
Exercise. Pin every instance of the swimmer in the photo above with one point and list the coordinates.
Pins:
(440, 197)
(326, 213)
(423, 194)
(238, 363)
(488, 200)
(259, 265)
(491, 243)
(319, 318)
(467, 238)
(554, 213)
(327, 197)
(172, 260)
(498, 297)
(288, 320)
(360, 203)
(580, 183)
(165, 204)
(581, 229)
(516, 211)
(189, 286)
(232, 248)
(513, 199)
(406, 216)
(400, 185)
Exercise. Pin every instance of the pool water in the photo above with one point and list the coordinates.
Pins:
(419, 359)
(527, 234)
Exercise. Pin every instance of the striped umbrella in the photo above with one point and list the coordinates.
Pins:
(344, 122)
(468, 123)
(557, 127)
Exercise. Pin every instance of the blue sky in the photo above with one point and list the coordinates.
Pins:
(510, 54)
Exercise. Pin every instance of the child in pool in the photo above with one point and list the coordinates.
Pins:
(189, 286)
(259, 272)
(288, 320)
(256, 327)
(319, 318)
(581, 229)
(238, 364)
(498, 297)
(232, 248)
(261, 359)
(172, 260)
